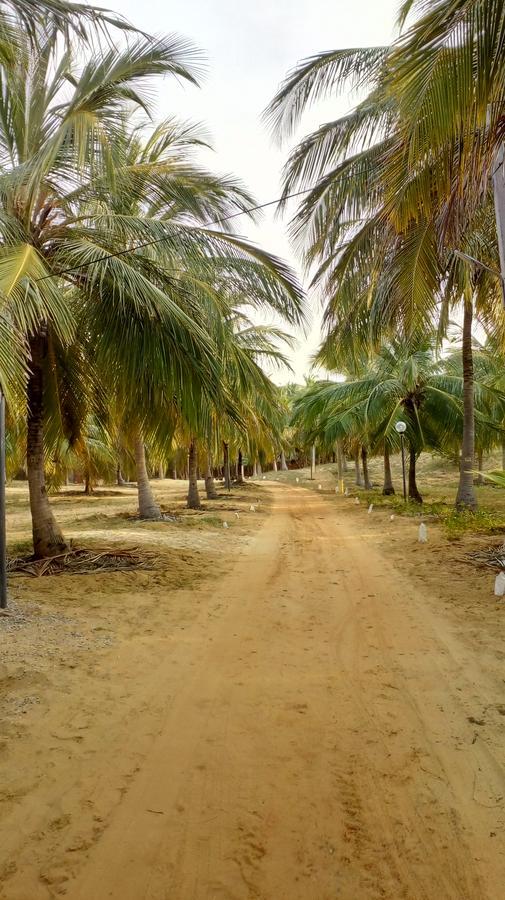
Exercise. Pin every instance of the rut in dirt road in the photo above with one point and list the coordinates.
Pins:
(318, 747)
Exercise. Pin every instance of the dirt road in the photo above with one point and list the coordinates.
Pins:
(313, 740)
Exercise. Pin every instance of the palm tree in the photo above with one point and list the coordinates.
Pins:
(402, 381)
(375, 221)
(47, 150)
(80, 194)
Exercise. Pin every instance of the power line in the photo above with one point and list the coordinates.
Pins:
(107, 256)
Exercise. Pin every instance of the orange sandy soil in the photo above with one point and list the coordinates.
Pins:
(308, 705)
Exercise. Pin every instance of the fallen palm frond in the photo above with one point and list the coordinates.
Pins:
(83, 562)
(491, 557)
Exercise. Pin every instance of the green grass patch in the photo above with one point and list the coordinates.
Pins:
(482, 521)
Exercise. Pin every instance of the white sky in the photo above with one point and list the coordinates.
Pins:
(249, 47)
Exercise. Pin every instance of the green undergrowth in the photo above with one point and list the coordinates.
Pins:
(454, 522)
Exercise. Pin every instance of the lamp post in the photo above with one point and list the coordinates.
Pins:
(401, 428)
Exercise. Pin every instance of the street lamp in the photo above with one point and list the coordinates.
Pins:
(401, 428)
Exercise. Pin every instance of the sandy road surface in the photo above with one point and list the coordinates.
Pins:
(314, 742)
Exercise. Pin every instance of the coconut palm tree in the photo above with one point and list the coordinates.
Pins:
(78, 204)
(376, 220)
(402, 381)
(53, 139)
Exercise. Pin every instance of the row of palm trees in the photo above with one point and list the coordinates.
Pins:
(126, 294)
(403, 220)
(410, 383)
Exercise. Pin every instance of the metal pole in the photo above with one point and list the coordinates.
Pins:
(3, 548)
(403, 470)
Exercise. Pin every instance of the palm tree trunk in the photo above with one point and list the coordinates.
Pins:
(226, 467)
(274, 465)
(358, 478)
(161, 471)
(284, 465)
(340, 465)
(88, 487)
(480, 460)
(503, 455)
(210, 487)
(466, 498)
(388, 488)
(259, 469)
(48, 538)
(364, 463)
(148, 508)
(240, 468)
(193, 495)
(119, 475)
(413, 491)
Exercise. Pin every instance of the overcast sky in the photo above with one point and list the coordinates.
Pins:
(249, 47)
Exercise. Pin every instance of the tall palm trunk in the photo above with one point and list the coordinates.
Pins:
(503, 455)
(240, 468)
(364, 463)
(413, 490)
(193, 494)
(210, 487)
(148, 508)
(226, 466)
(388, 478)
(340, 465)
(466, 498)
(284, 465)
(274, 465)
(357, 471)
(48, 538)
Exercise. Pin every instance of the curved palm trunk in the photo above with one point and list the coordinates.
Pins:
(240, 468)
(284, 465)
(466, 498)
(358, 479)
(413, 491)
(210, 487)
(388, 488)
(48, 538)
(364, 463)
(226, 467)
(193, 494)
(148, 508)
